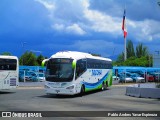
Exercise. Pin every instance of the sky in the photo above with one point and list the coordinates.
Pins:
(49, 26)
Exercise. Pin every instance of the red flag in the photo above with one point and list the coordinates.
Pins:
(124, 25)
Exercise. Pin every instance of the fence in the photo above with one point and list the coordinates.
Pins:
(31, 73)
(148, 73)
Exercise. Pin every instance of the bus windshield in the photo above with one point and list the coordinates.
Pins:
(59, 70)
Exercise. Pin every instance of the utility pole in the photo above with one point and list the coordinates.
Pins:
(23, 51)
(23, 59)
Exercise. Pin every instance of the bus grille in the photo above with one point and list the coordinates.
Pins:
(13, 82)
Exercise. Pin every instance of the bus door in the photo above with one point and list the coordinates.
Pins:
(80, 67)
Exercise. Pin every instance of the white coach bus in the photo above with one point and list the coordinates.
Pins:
(71, 72)
(9, 69)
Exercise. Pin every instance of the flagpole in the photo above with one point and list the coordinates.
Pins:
(125, 51)
(125, 34)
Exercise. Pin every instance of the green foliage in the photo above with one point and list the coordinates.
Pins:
(30, 59)
(40, 58)
(130, 49)
(134, 61)
(6, 53)
(141, 50)
(120, 57)
(141, 58)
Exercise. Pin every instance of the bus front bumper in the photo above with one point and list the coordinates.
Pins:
(60, 91)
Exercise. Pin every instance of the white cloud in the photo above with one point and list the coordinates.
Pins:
(146, 30)
(75, 28)
(88, 19)
(77, 17)
(48, 4)
(61, 14)
(102, 22)
(72, 29)
(58, 27)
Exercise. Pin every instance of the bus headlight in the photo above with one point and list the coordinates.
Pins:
(70, 87)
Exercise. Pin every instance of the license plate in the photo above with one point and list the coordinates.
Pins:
(54, 84)
(57, 91)
(57, 85)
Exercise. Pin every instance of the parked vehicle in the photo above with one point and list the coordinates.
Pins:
(126, 77)
(38, 77)
(149, 78)
(115, 79)
(27, 75)
(137, 78)
(157, 77)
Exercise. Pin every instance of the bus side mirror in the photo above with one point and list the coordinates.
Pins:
(74, 64)
(44, 62)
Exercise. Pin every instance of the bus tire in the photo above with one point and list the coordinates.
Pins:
(106, 85)
(103, 86)
(82, 90)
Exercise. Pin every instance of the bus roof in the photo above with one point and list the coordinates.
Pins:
(77, 55)
(8, 57)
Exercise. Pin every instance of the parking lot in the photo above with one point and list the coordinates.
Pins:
(114, 99)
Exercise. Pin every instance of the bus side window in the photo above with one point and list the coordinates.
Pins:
(1, 67)
(80, 68)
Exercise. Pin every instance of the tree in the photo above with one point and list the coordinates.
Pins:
(28, 58)
(40, 58)
(6, 53)
(120, 57)
(141, 50)
(141, 58)
(130, 49)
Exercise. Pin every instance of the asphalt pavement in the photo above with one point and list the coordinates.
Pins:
(26, 98)
(31, 84)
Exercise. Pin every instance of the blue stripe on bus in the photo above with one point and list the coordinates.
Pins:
(94, 85)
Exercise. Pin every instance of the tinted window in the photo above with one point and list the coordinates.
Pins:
(59, 70)
(8, 64)
(80, 67)
(98, 64)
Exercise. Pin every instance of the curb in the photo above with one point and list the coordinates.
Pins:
(143, 92)
(30, 87)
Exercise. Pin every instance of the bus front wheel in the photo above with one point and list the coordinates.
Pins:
(82, 90)
(104, 86)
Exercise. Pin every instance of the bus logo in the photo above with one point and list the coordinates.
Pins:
(96, 72)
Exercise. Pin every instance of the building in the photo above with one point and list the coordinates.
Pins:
(156, 59)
